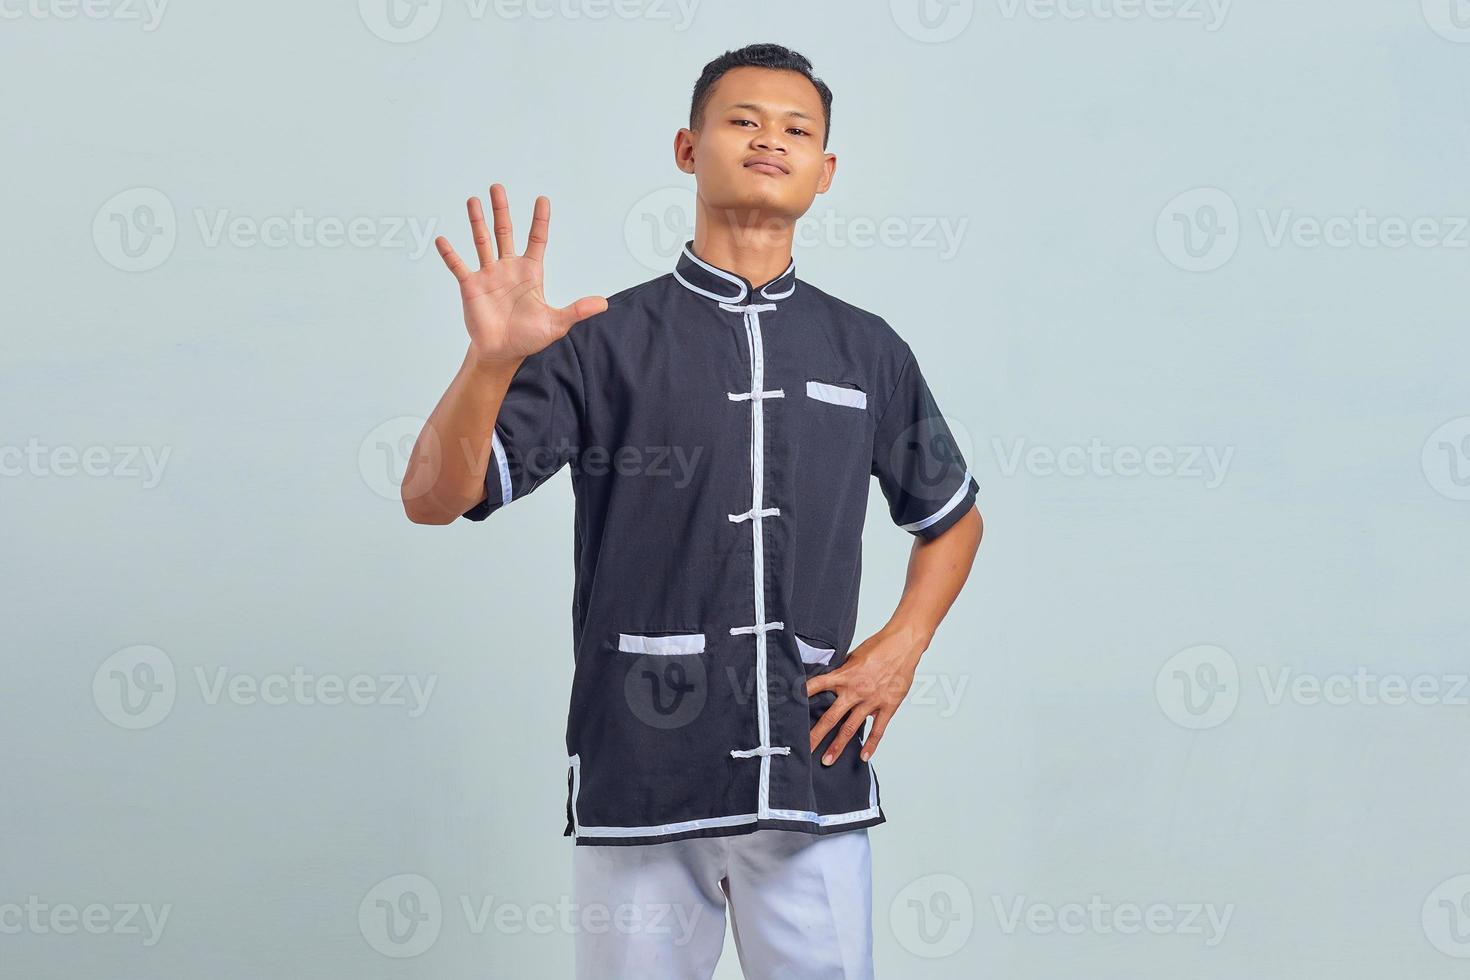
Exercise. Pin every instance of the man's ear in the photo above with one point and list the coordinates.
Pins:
(829, 168)
(684, 150)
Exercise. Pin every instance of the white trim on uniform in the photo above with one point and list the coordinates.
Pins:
(662, 646)
(735, 820)
(824, 819)
(791, 265)
(502, 467)
(836, 394)
(958, 496)
(719, 272)
(751, 317)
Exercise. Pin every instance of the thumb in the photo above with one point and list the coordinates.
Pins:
(580, 310)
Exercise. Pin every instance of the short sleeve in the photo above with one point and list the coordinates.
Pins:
(917, 461)
(538, 429)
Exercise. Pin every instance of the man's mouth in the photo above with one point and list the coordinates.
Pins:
(766, 165)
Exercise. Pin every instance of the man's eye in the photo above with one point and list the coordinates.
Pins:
(801, 132)
(739, 121)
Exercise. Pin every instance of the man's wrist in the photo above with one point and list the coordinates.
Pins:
(491, 368)
(912, 635)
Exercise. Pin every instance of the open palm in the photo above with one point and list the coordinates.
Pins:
(505, 310)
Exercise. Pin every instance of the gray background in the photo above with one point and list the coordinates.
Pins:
(1102, 719)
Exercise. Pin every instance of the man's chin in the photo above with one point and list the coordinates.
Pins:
(757, 206)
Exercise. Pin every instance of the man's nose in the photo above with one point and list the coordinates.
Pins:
(770, 140)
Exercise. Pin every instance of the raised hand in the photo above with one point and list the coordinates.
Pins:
(505, 310)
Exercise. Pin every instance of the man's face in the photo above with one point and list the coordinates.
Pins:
(758, 152)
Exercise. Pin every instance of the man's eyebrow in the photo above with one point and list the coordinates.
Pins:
(760, 108)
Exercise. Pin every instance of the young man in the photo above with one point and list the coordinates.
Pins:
(722, 423)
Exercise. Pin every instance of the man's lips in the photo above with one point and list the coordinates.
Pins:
(767, 167)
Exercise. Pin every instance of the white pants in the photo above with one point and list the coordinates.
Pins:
(800, 906)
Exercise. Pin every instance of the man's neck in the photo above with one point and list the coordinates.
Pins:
(756, 246)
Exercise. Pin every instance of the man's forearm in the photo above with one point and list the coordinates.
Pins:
(936, 573)
(445, 475)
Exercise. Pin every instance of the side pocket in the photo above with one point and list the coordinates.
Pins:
(813, 654)
(667, 645)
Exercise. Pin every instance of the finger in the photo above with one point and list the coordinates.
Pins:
(875, 734)
(829, 681)
(540, 223)
(829, 720)
(505, 242)
(580, 310)
(479, 231)
(451, 259)
(850, 727)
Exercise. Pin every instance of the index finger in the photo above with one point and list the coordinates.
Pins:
(830, 681)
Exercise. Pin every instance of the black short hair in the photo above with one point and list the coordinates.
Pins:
(759, 56)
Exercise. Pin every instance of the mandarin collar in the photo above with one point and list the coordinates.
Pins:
(724, 286)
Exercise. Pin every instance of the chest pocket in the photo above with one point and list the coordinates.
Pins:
(848, 396)
(837, 429)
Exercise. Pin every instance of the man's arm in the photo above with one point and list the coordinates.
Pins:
(508, 319)
(446, 470)
(877, 675)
